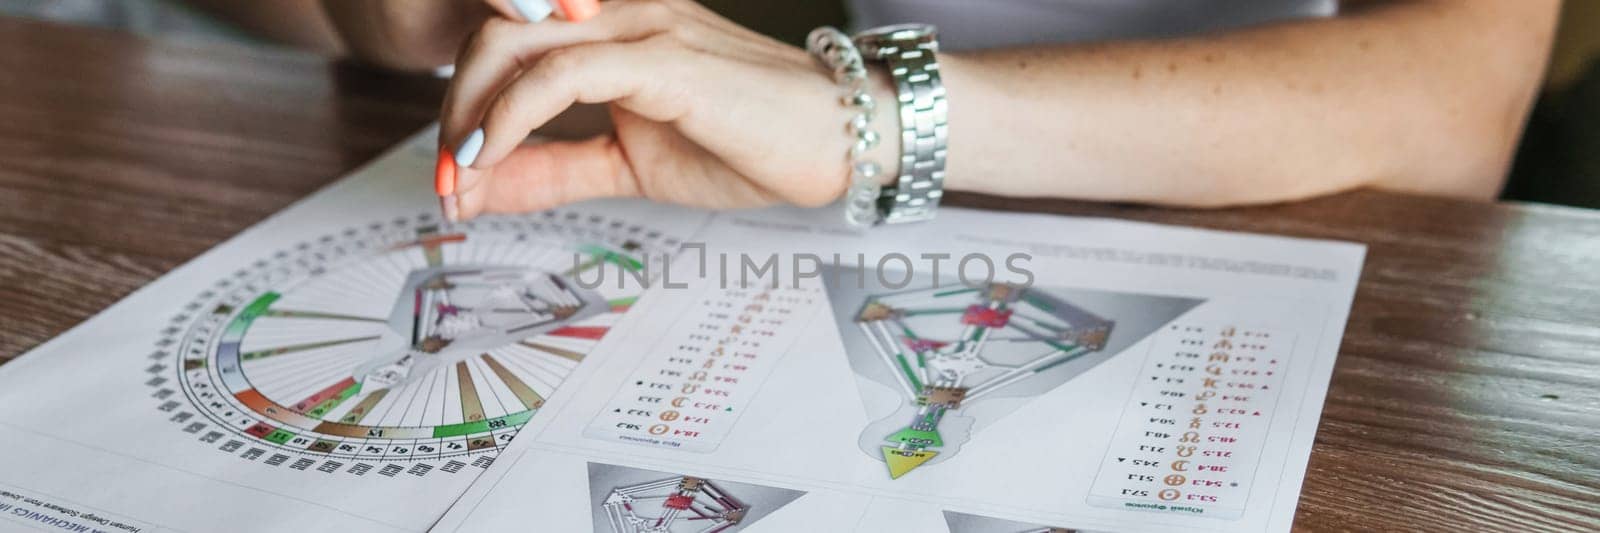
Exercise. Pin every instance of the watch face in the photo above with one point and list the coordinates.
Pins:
(875, 42)
(900, 32)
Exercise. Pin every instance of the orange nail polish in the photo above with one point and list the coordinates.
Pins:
(579, 10)
(444, 174)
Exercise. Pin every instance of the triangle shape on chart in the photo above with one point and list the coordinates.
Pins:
(634, 500)
(902, 461)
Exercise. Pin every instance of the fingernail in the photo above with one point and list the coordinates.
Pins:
(447, 205)
(579, 10)
(444, 173)
(533, 10)
(468, 151)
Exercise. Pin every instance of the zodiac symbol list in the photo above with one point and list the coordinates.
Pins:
(693, 386)
(1192, 432)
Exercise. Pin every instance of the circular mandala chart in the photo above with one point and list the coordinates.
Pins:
(403, 341)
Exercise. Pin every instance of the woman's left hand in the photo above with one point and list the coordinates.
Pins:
(706, 113)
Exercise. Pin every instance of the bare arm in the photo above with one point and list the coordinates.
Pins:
(411, 35)
(1414, 95)
(1422, 96)
(297, 22)
(416, 35)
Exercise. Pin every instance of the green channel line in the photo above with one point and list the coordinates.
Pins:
(1037, 302)
(906, 368)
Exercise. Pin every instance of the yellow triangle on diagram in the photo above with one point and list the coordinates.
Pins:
(902, 461)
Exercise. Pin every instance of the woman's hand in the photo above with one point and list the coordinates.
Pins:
(706, 113)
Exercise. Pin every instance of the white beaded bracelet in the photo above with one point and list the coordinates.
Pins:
(839, 54)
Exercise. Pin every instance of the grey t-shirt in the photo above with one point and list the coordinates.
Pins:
(167, 19)
(970, 24)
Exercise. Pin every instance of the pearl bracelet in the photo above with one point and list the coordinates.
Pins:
(836, 51)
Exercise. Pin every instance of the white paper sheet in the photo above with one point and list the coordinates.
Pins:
(224, 396)
(351, 364)
(1149, 378)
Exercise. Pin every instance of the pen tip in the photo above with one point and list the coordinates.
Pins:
(580, 10)
(449, 207)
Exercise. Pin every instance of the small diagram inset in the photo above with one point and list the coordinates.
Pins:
(634, 500)
(971, 523)
(960, 357)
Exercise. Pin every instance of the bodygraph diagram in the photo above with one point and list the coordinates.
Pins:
(635, 500)
(960, 357)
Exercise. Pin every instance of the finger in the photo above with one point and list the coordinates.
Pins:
(541, 176)
(637, 76)
(493, 56)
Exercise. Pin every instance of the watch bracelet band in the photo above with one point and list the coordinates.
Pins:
(924, 130)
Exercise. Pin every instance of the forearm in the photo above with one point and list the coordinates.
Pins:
(297, 22)
(1423, 96)
(404, 34)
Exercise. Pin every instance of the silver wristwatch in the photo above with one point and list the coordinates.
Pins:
(909, 51)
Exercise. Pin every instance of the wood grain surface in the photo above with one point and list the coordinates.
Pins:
(1466, 395)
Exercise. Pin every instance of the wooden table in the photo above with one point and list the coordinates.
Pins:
(1466, 396)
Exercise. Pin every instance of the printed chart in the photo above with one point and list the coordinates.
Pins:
(947, 348)
(400, 346)
(633, 500)
(1142, 379)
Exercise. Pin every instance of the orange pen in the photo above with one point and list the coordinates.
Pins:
(447, 169)
(444, 183)
(572, 10)
(578, 10)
